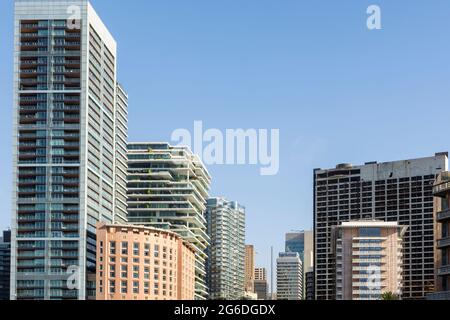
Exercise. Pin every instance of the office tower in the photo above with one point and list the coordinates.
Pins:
(302, 242)
(249, 267)
(295, 242)
(64, 177)
(309, 291)
(226, 252)
(167, 188)
(289, 276)
(260, 283)
(368, 257)
(441, 191)
(399, 191)
(143, 263)
(5, 263)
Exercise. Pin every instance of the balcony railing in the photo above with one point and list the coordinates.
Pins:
(444, 242)
(443, 215)
(445, 295)
(444, 271)
(442, 188)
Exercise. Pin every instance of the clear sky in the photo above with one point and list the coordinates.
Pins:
(337, 91)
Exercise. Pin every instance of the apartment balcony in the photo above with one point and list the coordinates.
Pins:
(28, 27)
(444, 295)
(444, 271)
(443, 215)
(442, 185)
(443, 243)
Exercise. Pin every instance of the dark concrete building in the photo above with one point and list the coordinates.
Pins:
(5, 263)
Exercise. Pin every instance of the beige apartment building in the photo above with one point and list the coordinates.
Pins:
(368, 259)
(143, 263)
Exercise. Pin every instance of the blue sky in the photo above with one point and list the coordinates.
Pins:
(337, 91)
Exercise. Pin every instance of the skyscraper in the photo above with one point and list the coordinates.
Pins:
(302, 242)
(441, 191)
(65, 144)
(289, 276)
(226, 252)
(368, 257)
(167, 188)
(5, 263)
(399, 191)
(249, 267)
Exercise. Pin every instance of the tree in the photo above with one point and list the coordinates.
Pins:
(389, 296)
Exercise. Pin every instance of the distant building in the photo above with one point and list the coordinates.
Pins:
(5, 262)
(261, 286)
(261, 289)
(226, 252)
(441, 191)
(398, 191)
(302, 242)
(143, 263)
(369, 259)
(260, 274)
(289, 276)
(249, 267)
(309, 291)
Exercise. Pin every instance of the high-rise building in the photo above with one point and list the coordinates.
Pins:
(167, 188)
(368, 257)
(302, 242)
(143, 263)
(249, 267)
(65, 143)
(5, 263)
(261, 286)
(295, 242)
(289, 276)
(226, 252)
(399, 191)
(441, 191)
(309, 291)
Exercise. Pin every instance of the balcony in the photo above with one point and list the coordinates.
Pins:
(443, 243)
(442, 185)
(444, 271)
(445, 295)
(443, 215)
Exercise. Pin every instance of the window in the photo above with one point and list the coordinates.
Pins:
(123, 286)
(112, 247)
(135, 287)
(112, 286)
(136, 248)
(370, 232)
(124, 248)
